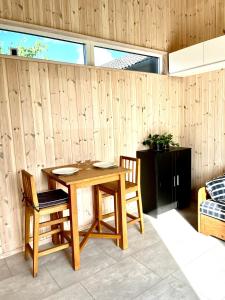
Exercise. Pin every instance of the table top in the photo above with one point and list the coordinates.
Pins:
(85, 175)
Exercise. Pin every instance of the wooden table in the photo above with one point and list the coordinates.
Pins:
(90, 176)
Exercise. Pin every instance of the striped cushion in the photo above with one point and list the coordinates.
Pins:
(213, 209)
(53, 197)
(216, 188)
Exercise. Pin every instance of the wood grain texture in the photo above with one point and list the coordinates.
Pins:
(54, 114)
(109, 112)
(204, 126)
(166, 24)
(194, 21)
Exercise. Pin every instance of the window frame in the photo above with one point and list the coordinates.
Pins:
(89, 42)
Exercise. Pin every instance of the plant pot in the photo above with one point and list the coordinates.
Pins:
(154, 146)
(166, 147)
(159, 147)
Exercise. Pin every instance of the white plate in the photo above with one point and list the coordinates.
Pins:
(65, 171)
(104, 164)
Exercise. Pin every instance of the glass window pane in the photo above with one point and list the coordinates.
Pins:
(40, 47)
(116, 59)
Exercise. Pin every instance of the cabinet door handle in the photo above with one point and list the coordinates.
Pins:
(178, 180)
(174, 181)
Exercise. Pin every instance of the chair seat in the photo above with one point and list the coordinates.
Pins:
(51, 198)
(112, 187)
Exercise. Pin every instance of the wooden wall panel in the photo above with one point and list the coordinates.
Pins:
(53, 114)
(110, 112)
(204, 125)
(194, 21)
(165, 25)
(10, 205)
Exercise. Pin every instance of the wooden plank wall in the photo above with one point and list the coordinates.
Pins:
(195, 21)
(159, 24)
(124, 21)
(37, 130)
(51, 114)
(204, 124)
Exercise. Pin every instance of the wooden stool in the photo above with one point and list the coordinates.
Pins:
(52, 202)
(132, 185)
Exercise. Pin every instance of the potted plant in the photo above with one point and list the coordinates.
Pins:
(151, 141)
(160, 142)
(167, 140)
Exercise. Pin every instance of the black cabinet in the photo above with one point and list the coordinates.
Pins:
(165, 178)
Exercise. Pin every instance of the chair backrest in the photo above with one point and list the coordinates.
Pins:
(134, 165)
(29, 188)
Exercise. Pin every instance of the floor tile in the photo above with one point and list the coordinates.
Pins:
(4, 270)
(172, 226)
(187, 251)
(207, 273)
(170, 288)
(190, 214)
(183, 242)
(17, 264)
(158, 259)
(73, 292)
(124, 280)
(93, 259)
(136, 242)
(24, 286)
(171, 260)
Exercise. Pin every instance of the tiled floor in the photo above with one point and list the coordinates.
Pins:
(170, 261)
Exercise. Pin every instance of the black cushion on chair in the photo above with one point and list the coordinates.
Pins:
(53, 197)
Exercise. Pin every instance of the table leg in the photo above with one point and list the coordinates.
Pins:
(97, 207)
(74, 227)
(122, 213)
(55, 237)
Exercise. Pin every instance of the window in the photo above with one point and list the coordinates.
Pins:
(40, 42)
(116, 59)
(34, 46)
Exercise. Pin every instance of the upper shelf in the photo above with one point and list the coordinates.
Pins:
(199, 58)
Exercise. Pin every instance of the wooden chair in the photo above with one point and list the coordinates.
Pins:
(132, 185)
(52, 202)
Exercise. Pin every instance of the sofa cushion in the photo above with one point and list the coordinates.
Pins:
(213, 209)
(216, 189)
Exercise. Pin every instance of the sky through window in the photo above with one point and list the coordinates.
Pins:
(53, 49)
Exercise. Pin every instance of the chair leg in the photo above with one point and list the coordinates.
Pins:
(35, 242)
(27, 231)
(140, 211)
(60, 213)
(116, 216)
